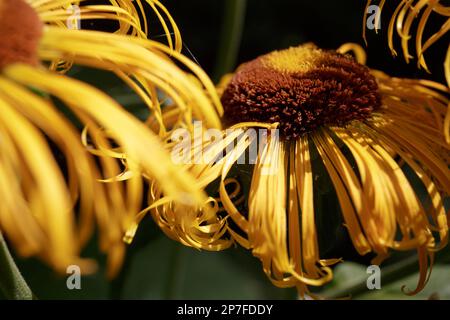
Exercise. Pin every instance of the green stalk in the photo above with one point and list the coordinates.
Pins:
(12, 284)
(230, 37)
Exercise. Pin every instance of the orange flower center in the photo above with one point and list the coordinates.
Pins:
(20, 31)
(301, 88)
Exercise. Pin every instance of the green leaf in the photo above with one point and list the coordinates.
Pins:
(12, 284)
(350, 280)
(437, 287)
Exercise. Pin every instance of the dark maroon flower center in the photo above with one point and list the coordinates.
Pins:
(20, 32)
(301, 88)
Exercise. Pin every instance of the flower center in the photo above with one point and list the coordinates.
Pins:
(301, 88)
(20, 31)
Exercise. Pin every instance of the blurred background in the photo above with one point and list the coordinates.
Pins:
(219, 35)
(270, 25)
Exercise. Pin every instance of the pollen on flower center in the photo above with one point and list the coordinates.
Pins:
(21, 30)
(294, 60)
(301, 88)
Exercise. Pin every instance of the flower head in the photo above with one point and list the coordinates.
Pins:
(51, 169)
(341, 122)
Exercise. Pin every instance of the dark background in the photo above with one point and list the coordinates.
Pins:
(277, 24)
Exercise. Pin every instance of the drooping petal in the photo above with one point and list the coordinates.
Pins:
(143, 64)
(39, 194)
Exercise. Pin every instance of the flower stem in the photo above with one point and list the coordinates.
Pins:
(12, 284)
(230, 38)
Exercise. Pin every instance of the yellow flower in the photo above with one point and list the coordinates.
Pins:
(49, 169)
(362, 126)
(402, 20)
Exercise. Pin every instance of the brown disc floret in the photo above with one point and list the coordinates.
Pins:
(20, 32)
(301, 88)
